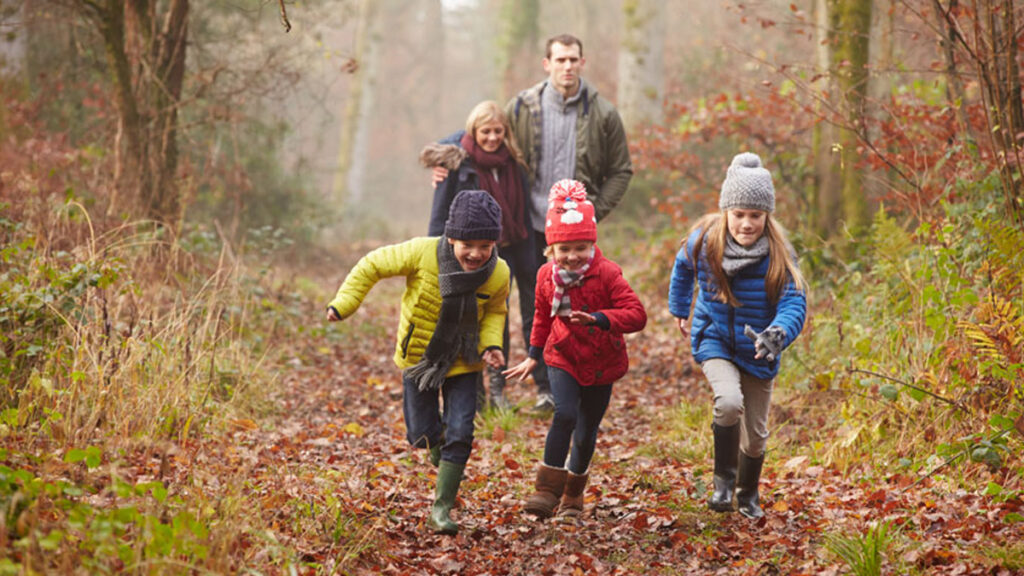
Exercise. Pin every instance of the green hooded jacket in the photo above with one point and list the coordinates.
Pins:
(602, 154)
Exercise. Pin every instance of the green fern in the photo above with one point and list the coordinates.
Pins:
(998, 332)
(1005, 258)
(865, 554)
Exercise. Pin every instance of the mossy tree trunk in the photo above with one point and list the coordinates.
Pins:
(145, 45)
(825, 204)
(850, 61)
(355, 123)
(518, 43)
(641, 63)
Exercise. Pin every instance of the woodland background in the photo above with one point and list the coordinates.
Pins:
(183, 185)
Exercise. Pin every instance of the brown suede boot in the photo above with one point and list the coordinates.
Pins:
(550, 484)
(572, 500)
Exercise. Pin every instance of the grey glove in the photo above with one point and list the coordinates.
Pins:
(767, 344)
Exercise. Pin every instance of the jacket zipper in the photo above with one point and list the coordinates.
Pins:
(405, 341)
(732, 328)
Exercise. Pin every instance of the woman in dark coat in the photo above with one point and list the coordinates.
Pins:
(485, 157)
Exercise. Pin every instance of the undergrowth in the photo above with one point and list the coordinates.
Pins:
(123, 348)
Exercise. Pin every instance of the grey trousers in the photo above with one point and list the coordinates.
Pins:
(740, 397)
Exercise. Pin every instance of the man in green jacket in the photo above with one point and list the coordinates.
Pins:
(565, 129)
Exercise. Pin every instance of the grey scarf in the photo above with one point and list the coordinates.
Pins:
(736, 257)
(457, 332)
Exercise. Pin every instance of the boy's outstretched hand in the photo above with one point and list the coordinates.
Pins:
(494, 358)
(522, 370)
(332, 314)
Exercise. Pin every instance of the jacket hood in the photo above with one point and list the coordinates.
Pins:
(448, 156)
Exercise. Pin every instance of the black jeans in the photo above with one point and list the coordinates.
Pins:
(578, 414)
(423, 420)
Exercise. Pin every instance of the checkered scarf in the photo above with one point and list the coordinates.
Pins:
(563, 280)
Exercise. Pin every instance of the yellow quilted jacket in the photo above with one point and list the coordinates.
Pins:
(416, 259)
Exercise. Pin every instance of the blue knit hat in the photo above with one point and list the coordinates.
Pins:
(474, 215)
(747, 185)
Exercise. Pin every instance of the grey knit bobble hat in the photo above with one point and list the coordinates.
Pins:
(473, 215)
(747, 185)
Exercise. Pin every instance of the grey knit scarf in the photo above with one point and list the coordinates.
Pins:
(736, 257)
(457, 332)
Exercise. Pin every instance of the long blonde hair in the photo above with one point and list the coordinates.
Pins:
(782, 267)
(489, 111)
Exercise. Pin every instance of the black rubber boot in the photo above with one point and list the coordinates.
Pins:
(449, 476)
(727, 449)
(746, 494)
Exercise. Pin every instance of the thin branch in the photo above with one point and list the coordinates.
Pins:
(284, 17)
(950, 460)
(952, 403)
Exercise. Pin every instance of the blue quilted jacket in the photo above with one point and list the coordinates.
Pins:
(717, 328)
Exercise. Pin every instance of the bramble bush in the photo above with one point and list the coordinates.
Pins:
(122, 341)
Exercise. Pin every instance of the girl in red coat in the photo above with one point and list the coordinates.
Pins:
(583, 307)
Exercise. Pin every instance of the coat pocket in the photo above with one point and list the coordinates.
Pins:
(407, 339)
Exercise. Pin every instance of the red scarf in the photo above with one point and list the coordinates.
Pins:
(507, 189)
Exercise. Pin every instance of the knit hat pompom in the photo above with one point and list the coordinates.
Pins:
(747, 185)
(570, 215)
(474, 215)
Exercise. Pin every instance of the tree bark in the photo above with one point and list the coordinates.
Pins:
(641, 63)
(517, 46)
(146, 59)
(851, 61)
(954, 80)
(826, 195)
(352, 148)
(1006, 97)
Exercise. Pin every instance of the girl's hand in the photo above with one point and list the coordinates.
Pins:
(437, 175)
(332, 315)
(581, 318)
(522, 370)
(494, 358)
(684, 327)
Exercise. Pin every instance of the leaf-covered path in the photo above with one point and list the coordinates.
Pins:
(338, 482)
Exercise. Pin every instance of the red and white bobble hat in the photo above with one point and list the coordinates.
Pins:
(570, 215)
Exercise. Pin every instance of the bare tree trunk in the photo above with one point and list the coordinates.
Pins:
(641, 63)
(146, 56)
(954, 81)
(355, 124)
(826, 201)
(1006, 99)
(851, 61)
(517, 46)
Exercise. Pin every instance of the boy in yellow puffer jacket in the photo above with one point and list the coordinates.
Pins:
(453, 320)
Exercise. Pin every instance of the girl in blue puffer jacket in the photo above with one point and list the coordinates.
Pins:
(749, 306)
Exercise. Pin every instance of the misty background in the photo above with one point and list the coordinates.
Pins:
(319, 127)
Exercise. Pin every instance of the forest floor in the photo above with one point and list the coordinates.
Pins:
(339, 483)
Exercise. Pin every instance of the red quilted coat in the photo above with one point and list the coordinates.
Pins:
(593, 356)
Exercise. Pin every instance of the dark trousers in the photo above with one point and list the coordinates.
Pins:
(425, 424)
(578, 414)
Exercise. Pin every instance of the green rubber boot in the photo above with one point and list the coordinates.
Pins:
(449, 476)
(435, 455)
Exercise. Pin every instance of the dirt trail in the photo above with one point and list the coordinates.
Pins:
(342, 432)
